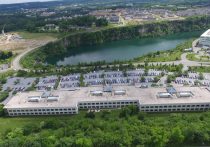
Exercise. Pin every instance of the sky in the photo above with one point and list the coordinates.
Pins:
(20, 1)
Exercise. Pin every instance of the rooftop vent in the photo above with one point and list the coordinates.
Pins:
(33, 99)
(107, 89)
(171, 90)
(46, 94)
(96, 93)
(184, 94)
(164, 95)
(119, 92)
(52, 98)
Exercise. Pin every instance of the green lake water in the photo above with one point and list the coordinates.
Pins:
(123, 50)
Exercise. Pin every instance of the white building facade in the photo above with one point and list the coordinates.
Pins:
(175, 107)
(109, 105)
(41, 111)
(205, 39)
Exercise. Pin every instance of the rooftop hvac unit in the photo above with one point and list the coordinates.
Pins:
(184, 94)
(144, 86)
(208, 88)
(119, 92)
(46, 94)
(34, 99)
(164, 95)
(171, 90)
(96, 93)
(52, 98)
(107, 89)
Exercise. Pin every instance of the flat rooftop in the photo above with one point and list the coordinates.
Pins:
(206, 34)
(145, 96)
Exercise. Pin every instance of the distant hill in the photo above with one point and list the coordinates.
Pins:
(33, 5)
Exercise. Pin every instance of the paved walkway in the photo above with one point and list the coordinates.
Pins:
(15, 64)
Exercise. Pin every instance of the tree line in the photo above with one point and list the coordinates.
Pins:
(119, 128)
(18, 21)
(82, 21)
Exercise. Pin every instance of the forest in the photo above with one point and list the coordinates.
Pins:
(32, 24)
(81, 21)
(117, 128)
(72, 42)
(20, 22)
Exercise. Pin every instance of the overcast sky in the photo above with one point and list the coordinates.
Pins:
(20, 1)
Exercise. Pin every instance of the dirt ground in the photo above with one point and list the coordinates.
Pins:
(28, 41)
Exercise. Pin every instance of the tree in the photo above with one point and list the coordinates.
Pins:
(125, 112)
(170, 78)
(141, 115)
(129, 110)
(176, 137)
(133, 109)
(101, 22)
(3, 96)
(159, 137)
(143, 79)
(105, 114)
(21, 73)
(17, 132)
(90, 115)
(81, 80)
(156, 79)
(200, 77)
(84, 142)
(1, 110)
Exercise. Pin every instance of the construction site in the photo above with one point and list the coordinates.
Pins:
(20, 41)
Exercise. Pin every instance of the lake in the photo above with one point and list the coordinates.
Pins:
(123, 50)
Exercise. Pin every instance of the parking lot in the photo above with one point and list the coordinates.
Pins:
(46, 83)
(18, 84)
(130, 77)
(193, 79)
(69, 82)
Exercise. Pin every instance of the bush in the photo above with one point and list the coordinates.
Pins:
(1, 110)
(21, 73)
(3, 96)
(105, 114)
(90, 115)
(128, 111)
(141, 115)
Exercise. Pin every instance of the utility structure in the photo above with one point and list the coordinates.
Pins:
(3, 33)
(205, 39)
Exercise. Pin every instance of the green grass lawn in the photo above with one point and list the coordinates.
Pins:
(7, 74)
(201, 69)
(192, 57)
(162, 57)
(17, 122)
(28, 35)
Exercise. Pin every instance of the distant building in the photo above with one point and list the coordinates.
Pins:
(114, 19)
(188, 50)
(205, 39)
